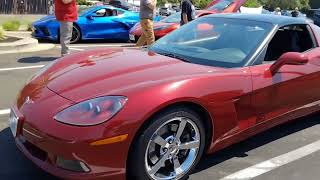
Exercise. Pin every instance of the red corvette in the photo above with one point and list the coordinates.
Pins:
(172, 22)
(152, 113)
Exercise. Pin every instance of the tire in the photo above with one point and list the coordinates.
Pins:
(76, 34)
(178, 161)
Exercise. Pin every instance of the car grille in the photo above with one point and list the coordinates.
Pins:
(35, 151)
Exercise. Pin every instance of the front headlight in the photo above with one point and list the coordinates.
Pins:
(93, 111)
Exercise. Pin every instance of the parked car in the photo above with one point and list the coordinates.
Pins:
(172, 22)
(152, 113)
(225, 6)
(120, 4)
(164, 26)
(176, 8)
(165, 11)
(98, 22)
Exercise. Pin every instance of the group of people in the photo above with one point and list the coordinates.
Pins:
(147, 12)
(294, 13)
(66, 13)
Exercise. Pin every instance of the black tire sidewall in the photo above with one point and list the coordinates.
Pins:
(78, 36)
(136, 169)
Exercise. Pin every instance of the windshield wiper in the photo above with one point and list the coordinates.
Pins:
(175, 56)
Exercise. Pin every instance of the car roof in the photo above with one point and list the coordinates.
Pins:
(268, 18)
(107, 6)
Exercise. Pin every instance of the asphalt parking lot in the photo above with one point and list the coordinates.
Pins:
(287, 152)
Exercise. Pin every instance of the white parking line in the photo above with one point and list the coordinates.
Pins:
(23, 67)
(274, 163)
(4, 111)
(76, 49)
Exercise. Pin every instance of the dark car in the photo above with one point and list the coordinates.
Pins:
(165, 11)
(317, 17)
(120, 4)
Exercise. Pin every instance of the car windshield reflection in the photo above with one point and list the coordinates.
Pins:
(212, 41)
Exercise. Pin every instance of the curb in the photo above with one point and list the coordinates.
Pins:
(25, 44)
(19, 44)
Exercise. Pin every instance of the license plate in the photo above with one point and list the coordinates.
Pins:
(131, 37)
(13, 123)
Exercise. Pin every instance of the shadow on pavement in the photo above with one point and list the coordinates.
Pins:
(36, 59)
(14, 165)
(240, 149)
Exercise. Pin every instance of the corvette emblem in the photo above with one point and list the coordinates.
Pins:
(28, 100)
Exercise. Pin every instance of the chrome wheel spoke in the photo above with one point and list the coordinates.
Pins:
(182, 125)
(190, 145)
(173, 158)
(159, 140)
(159, 164)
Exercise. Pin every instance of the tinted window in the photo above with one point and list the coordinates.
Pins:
(295, 38)
(214, 41)
(174, 18)
(222, 5)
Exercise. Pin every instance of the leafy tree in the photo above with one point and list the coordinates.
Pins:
(82, 2)
(201, 3)
(252, 3)
(287, 4)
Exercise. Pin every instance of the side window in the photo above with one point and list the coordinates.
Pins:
(100, 13)
(294, 38)
(105, 13)
(120, 12)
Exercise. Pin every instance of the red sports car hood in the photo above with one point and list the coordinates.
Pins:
(234, 7)
(114, 71)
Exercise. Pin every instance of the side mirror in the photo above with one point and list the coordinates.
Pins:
(290, 58)
(89, 17)
(100, 13)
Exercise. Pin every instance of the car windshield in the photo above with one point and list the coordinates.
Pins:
(214, 41)
(174, 18)
(221, 5)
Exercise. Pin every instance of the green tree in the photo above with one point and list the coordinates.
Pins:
(252, 3)
(286, 4)
(201, 3)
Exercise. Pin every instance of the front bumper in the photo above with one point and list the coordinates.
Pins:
(43, 32)
(45, 142)
(47, 162)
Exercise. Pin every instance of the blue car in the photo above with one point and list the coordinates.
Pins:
(98, 22)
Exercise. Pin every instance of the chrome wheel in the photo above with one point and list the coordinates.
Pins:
(172, 149)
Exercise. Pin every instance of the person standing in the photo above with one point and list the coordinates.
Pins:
(277, 11)
(295, 12)
(66, 13)
(188, 12)
(147, 12)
